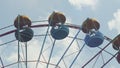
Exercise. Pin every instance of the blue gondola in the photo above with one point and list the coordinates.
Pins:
(25, 34)
(94, 40)
(59, 32)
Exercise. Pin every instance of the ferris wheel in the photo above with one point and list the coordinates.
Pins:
(54, 43)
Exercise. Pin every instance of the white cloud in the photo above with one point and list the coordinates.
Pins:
(2, 47)
(115, 22)
(83, 3)
(12, 57)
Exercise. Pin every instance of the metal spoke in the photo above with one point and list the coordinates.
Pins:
(51, 53)
(77, 55)
(68, 48)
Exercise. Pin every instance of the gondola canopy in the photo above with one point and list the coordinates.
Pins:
(56, 18)
(90, 24)
(22, 21)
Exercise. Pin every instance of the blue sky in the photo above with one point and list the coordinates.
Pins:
(107, 12)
